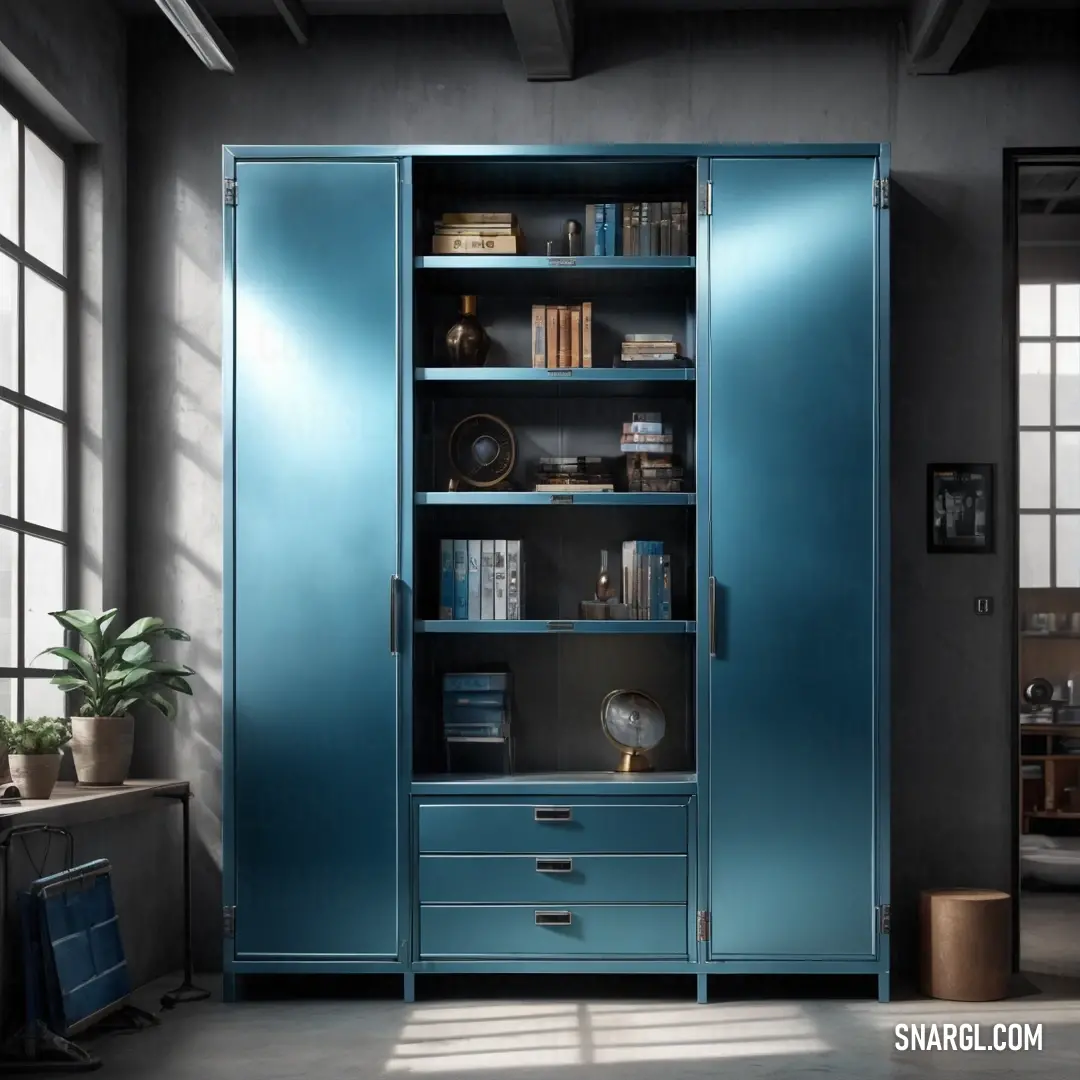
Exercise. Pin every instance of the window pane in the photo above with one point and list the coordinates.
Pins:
(1068, 383)
(1068, 311)
(9, 460)
(1067, 467)
(1068, 551)
(1034, 469)
(1034, 310)
(45, 331)
(43, 500)
(41, 698)
(44, 206)
(9, 323)
(44, 593)
(7, 698)
(1034, 551)
(9, 614)
(9, 176)
(1035, 384)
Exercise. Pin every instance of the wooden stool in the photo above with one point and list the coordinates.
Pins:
(965, 943)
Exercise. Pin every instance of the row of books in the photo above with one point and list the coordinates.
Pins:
(646, 579)
(645, 228)
(562, 335)
(477, 234)
(481, 579)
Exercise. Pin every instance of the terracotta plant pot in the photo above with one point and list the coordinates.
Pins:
(101, 748)
(34, 774)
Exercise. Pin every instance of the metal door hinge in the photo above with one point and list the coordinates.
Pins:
(884, 919)
(228, 921)
(230, 192)
(881, 194)
(703, 926)
(705, 201)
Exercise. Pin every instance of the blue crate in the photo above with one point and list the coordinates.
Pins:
(85, 972)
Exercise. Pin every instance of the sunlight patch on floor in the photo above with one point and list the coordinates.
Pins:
(489, 1037)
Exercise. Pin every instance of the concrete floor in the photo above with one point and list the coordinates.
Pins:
(565, 1039)
(594, 1037)
(1050, 933)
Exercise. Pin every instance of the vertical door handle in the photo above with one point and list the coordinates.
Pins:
(394, 613)
(712, 616)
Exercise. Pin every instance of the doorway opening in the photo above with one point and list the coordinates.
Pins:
(1044, 341)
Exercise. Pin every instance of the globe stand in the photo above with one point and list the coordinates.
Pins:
(633, 761)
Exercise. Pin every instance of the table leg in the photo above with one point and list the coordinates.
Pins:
(187, 990)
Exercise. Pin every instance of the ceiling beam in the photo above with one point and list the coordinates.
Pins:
(544, 32)
(195, 26)
(296, 19)
(938, 30)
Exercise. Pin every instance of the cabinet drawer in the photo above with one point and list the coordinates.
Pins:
(555, 828)
(552, 879)
(604, 930)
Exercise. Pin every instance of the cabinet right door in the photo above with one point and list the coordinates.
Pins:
(794, 556)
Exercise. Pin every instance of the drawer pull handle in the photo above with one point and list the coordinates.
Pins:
(551, 813)
(554, 918)
(554, 866)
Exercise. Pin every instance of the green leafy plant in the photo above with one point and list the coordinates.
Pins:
(115, 671)
(45, 735)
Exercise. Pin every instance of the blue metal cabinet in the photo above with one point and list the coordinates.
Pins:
(312, 687)
(795, 484)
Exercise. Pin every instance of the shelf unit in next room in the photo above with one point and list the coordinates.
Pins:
(561, 665)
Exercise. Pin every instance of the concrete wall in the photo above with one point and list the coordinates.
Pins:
(69, 58)
(736, 78)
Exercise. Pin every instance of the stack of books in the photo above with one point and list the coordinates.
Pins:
(481, 579)
(640, 228)
(477, 234)
(557, 474)
(649, 350)
(646, 573)
(647, 443)
(476, 722)
(562, 335)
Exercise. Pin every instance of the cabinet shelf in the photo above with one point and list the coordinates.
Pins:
(555, 626)
(554, 262)
(545, 498)
(557, 783)
(609, 377)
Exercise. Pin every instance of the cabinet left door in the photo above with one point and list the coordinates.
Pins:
(315, 557)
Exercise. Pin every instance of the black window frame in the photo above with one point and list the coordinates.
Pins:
(28, 117)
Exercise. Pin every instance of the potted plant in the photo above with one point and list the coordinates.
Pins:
(33, 749)
(112, 672)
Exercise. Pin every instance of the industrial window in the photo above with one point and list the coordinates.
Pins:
(35, 384)
(1049, 487)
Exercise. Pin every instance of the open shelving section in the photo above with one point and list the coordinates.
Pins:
(561, 665)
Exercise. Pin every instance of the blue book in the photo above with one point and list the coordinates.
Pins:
(600, 241)
(461, 579)
(665, 587)
(612, 229)
(446, 579)
(474, 579)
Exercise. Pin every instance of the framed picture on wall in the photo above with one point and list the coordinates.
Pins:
(960, 509)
